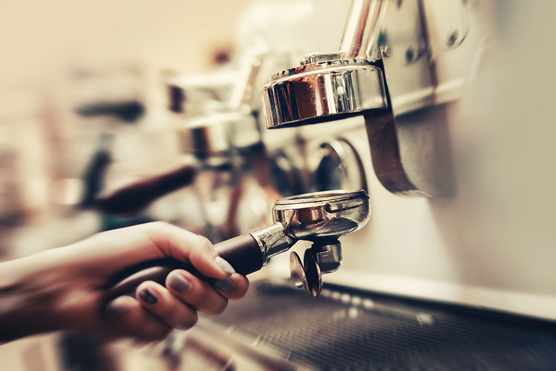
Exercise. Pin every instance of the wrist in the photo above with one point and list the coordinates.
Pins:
(26, 302)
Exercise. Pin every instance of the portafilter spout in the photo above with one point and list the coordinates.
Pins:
(320, 217)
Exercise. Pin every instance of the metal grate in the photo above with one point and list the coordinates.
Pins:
(348, 330)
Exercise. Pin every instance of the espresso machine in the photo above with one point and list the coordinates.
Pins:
(429, 107)
(425, 108)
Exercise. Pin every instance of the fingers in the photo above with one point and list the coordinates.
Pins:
(129, 318)
(158, 300)
(158, 309)
(195, 292)
(183, 287)
(210, 299)
(184, 293)
(182, 245)
(234, 287)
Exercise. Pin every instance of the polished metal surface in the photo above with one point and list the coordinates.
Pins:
(363, 28)
(243, 89)
(317, 260)
(335, 85)
(216, 123)
(410, 153)
(323, 91)
(207, 136)
(335, 164)
(329, 258)
(320, 217)
(301, 271)
(360, 39)
(409, 68)
(313, 274)
(306, 275)
(273, 240)
(323, 216)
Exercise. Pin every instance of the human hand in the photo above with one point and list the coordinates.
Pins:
(64, 288)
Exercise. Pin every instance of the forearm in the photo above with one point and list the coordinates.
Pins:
(26, 301)
(62, 288)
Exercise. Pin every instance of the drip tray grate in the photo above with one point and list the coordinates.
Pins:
(351, 330)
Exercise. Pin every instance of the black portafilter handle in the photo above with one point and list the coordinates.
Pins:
(242, 252)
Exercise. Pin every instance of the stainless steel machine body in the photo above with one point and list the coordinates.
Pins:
(371, 76)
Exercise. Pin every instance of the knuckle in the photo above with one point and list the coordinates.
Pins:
(189, 321)
(160, 224)
(219, 308)
(161, 334)
(244, 288)
(157, 231)
(157, 225)
(158, 332)
(189, 297)
(203, 243)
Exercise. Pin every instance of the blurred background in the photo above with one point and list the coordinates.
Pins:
(114, 113)
(77, 79)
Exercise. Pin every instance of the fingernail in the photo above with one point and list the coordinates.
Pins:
(116, 309)
(226, 267)
(224, 285)
(178, 283)
(148, 296)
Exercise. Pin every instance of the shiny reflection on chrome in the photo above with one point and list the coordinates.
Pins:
(323, 91)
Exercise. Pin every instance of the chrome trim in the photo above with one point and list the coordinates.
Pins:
(323, 91)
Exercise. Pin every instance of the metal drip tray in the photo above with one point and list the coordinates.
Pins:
(350, 330)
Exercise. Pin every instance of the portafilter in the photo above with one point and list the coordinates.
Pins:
(320, 217)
